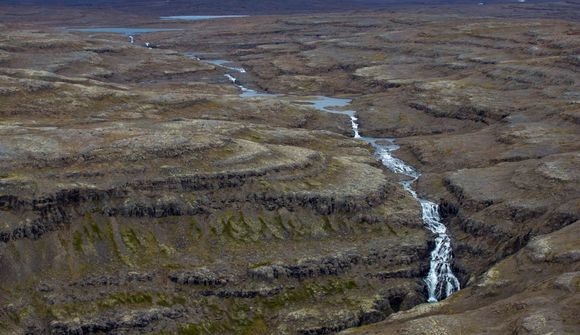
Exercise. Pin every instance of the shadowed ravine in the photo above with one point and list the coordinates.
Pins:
(440, 281)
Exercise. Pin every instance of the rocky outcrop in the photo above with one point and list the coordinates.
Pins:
(339, 263)
(201, 276)
(113, 323)
(114, 280)
(332, 265)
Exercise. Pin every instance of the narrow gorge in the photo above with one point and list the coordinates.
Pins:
(440, 281)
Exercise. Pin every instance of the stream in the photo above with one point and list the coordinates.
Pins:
(440, 281)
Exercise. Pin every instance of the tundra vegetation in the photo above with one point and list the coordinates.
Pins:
(139, 193)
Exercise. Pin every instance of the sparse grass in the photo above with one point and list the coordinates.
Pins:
(194, 227)
(378, 57)
(259, 264)
(131, 240)
(309, 291)
(265, 185)
(94, 227)
(313, 183)
(165, 301)
(207, 327)
(13, 176)
(124, 299)
(256, 327)
(78, 241)
(234, 320)
(327, 226)
(489, 85)
(112, 242)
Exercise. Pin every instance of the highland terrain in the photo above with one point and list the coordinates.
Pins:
(140, 193)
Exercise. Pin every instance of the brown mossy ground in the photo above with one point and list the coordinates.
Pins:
(139, 193)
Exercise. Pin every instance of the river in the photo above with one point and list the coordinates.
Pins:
(440, 280)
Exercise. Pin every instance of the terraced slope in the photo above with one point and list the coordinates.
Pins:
(140, 194)
(149, 202)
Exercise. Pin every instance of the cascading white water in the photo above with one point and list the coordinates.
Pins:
(354, 122)
(440, 281)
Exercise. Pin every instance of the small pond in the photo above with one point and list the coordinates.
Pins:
(199, 17)
(121, 30)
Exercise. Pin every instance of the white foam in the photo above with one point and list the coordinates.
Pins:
(440, 281)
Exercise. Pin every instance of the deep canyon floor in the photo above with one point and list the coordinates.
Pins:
(140, 193)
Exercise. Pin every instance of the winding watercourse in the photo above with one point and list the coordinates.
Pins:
(440, 281)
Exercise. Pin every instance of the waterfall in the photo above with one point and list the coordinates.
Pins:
(440, 281)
